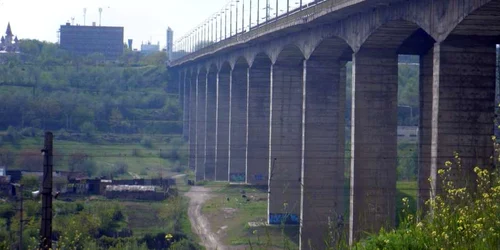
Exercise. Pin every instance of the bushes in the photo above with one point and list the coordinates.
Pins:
(12, 135)
(467, 216)
(119, 168)
(28, 132)
(147, 142)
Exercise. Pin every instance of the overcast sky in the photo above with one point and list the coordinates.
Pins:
(143, 20)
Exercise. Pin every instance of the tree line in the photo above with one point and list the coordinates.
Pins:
(45, 87)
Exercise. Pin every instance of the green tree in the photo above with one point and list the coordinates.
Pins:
(88, 129)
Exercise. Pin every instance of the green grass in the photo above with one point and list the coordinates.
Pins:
(142, 161)
(238, 232)
(236, 212)
(406, 189)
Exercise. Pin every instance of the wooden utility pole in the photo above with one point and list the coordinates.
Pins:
(46, 227)
(19, 197)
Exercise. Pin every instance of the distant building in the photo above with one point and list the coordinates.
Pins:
(9, 43)
(130, 43)
(85, 40)
(408, 134)
(150, 48)
(170, 42)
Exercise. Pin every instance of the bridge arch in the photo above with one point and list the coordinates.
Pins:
(468, 18)
(290, 55)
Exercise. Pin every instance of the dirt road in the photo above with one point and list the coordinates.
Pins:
(197, 196)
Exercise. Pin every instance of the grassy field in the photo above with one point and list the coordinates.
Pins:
(142, 161)
(230, 217)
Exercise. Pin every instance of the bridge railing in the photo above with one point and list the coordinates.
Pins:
(235, 18)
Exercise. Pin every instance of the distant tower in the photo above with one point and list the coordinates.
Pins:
(84, 15)
(9, 42)
(8, 35)
(100, 15)
(170, 42)
(130, 41)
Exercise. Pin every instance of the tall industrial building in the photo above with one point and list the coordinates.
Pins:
(85, 40)
(170, 42)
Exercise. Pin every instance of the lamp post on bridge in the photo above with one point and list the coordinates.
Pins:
(225, 22)
(237, 1)
(277, 9)
(267, 10)
(220, 30)
(231, 19)
(242, 16)
(258, 12)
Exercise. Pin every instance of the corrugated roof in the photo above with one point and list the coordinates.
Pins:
(130, 188)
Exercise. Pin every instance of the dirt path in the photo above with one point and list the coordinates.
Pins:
(197, 196)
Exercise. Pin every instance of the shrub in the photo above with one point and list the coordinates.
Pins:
(121, 167)
(88, 129)
(136, 152)
(62, 134)
(81, 163)
(28, 132)
(12, 135)
(467, 216)
(147, 142)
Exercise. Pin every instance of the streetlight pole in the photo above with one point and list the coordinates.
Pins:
(225, 22)
(277, 9)
(242, 15)
(236, 19)
(267, 10)
(231, 20)
(258, 12)
(220, 37)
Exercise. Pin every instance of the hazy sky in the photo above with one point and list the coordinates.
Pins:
(143, 20)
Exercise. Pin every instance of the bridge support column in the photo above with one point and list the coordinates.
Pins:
(285, 144)
(463, 109)
(323, 164)
(258, 124)
(222, 144)
(184, 101)
(238, 125)
(191, 81)
(211, 124)
(373, 141)
(425, 129)
(201, 84)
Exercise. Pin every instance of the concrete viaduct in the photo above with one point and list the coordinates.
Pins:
(267, 106)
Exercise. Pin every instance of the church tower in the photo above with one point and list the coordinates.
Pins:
(8, 35)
